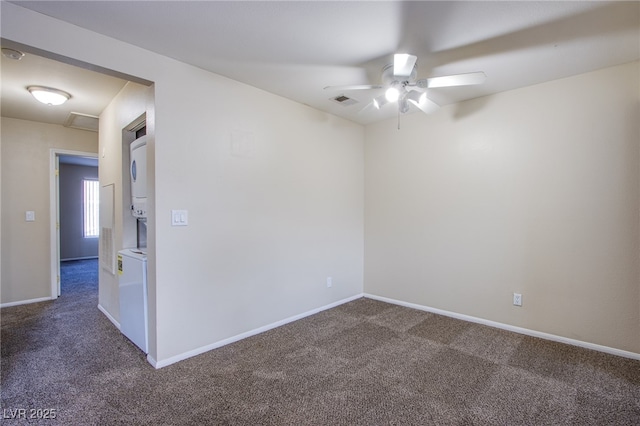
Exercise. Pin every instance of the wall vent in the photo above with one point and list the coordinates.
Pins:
(344, 100)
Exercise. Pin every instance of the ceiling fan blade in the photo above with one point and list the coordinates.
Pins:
(354, 87)
(428, 106)
(420, 100)
(367, 109)
(452, 80)
(403, 64)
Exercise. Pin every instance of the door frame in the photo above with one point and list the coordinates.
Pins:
(54, 209)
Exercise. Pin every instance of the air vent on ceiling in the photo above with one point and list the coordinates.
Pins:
(344, 100)
(81, 121)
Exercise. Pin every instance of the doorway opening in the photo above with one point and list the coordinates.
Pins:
(75, 215)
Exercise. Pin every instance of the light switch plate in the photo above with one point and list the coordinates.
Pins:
(179, 217)
(30, 216)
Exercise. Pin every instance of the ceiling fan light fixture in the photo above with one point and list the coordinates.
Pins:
(403, 106)
(48, 95)
(416, 98)
(420, 100)
(392, 94)
(400, 78)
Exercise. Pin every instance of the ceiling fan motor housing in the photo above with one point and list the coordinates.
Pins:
(388, 78)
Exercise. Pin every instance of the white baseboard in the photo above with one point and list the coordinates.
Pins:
(520, 330)
(203, 349)
(109, 317)
(26, 302)
(152, 361)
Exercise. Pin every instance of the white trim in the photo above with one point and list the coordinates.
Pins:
(53, 214)
(69, 259)
(216, 345)
(26, 302)
(153, 362)
(520, 330)
(109, 317)
(53, 220)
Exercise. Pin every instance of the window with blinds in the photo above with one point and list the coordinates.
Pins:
(91, 201)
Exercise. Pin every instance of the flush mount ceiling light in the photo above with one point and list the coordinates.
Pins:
(49, 96)
(14, 54)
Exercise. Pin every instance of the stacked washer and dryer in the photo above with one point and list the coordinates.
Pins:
(132, 262)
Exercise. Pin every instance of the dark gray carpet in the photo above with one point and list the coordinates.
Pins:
(362, 363)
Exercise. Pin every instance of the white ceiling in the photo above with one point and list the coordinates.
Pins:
(296, 48)
(90, 91)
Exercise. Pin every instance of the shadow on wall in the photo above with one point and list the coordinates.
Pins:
(465, 109)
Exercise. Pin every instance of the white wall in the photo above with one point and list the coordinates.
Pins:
(127, 106)
(26, 158)
(267, 223)
(535, 191)
(274, 192)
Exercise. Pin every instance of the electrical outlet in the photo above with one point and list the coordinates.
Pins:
(517, 299)
(329, 282)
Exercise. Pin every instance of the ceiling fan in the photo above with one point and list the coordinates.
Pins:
(402, 86)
